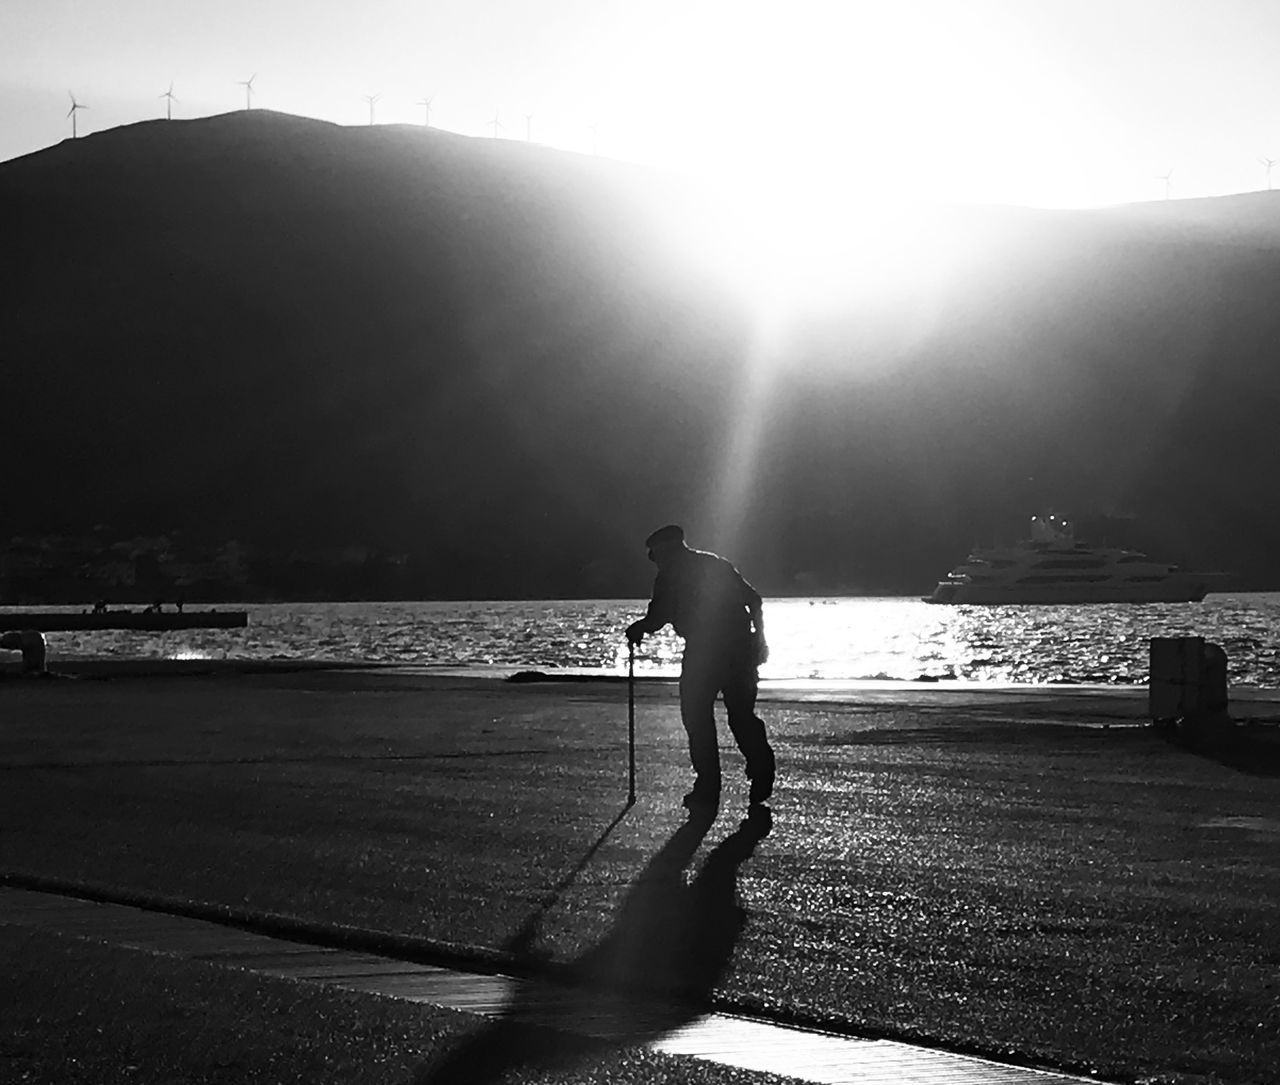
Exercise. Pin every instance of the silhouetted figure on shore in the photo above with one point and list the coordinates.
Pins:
(719, 615)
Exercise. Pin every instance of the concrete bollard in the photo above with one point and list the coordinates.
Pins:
(31, 643)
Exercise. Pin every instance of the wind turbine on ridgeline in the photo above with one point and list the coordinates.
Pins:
(497, 124)
(169, 98)
(426, 105)
(248, 90)
(1267, 164)
(75, 107)
(371, 99)
(528, 127)
(1167, 178)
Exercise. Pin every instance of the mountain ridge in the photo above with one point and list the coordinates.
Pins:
(500, 360)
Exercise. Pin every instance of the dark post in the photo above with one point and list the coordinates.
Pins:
(631, 723)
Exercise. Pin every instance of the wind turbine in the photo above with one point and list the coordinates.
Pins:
(72, 113)
(169, 100)
(496, 124)
(248, 89)
(528, 127)
(1168, 182)
(1267, 163)
(426, 104)
(371, 98)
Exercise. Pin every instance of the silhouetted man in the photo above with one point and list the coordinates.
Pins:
(707, 601)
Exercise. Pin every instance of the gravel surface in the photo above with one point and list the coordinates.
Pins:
(1030, 878)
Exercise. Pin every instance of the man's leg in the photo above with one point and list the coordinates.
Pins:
(699, 686)
(748, 729)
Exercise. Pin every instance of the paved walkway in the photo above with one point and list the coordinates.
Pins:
(733, 1041)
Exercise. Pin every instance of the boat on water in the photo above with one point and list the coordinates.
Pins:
(1052, 567)
(147, 620)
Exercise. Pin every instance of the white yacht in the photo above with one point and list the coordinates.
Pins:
(1051, 567)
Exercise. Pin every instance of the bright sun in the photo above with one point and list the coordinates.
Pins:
(817, 127)
(805, 250)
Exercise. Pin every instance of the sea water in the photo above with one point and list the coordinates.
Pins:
(844, 639)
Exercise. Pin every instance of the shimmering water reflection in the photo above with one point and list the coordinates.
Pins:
(838, 639)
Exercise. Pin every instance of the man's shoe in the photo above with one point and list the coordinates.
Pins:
(761, 776)
(701, 798)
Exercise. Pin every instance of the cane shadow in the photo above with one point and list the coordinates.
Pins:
(521, 944)
(668, 948)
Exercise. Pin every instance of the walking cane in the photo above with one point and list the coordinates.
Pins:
(631, 723)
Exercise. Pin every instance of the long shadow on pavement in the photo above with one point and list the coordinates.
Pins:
(668, 948)
(521, 943)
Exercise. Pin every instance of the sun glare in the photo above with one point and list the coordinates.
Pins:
(808, 249)
(818, 130)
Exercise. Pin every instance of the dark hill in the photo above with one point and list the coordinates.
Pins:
(499, 360)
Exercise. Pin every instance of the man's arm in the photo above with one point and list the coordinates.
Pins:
(660, 611)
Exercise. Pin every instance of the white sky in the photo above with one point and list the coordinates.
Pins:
(1042, 102)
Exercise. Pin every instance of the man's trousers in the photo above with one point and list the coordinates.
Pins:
(704, 676)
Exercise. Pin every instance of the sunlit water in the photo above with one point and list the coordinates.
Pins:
(836, 639)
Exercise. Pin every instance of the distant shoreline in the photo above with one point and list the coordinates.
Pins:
(1085, 701)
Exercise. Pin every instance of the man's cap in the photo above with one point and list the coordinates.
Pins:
(671, 533)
